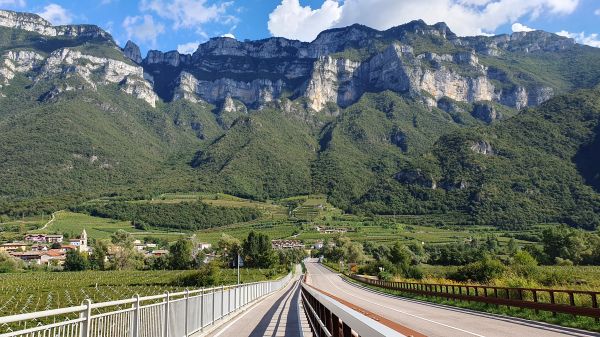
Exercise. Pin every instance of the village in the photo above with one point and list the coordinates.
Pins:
(50, 250)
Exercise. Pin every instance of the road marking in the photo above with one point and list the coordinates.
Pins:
(394, 309)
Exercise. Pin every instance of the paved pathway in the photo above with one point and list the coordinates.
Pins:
(275, 316)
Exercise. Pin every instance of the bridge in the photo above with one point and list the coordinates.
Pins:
(319, 303)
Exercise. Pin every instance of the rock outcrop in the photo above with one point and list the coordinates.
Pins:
(14, 62)
(485, 112)
(132, 51)
(93, 70)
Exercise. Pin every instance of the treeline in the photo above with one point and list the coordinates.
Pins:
(184, 216)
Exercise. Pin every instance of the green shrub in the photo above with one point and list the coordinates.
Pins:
(483, 271)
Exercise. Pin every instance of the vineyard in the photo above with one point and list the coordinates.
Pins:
(37, 291)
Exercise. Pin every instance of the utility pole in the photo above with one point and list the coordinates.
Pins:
(238, 267)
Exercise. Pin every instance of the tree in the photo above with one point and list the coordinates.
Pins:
(125, 256)
(400, 255)
(512, 247)
(76, 261)
(180, 255)
(9, 264)
(565, 243)
(98, 256)
(229, 247)
(523, 264)
(258, 251)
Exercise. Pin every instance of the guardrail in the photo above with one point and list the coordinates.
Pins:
(167, 315)
(579, 303)
(329, 318)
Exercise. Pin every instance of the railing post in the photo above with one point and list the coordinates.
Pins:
(202, 309)
(166, 325)
(187, 304)
(214, 303)
(136, 317)
(85, 331)
(222, 301)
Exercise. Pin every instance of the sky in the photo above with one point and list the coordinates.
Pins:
(183, 24)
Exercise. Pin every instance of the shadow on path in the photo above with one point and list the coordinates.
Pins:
(291, 327)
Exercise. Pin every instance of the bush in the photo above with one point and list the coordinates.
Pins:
(208, 275)
(8, 264)
(483, 271)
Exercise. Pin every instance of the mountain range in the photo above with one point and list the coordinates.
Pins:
(414, 120)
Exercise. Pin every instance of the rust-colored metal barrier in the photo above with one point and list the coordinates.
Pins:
(579, 303)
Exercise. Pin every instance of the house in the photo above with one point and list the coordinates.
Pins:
(318, 245)
(41, 257)
(287, 244)
(203, 246)
(160, 252)
(39, 247)
(54, 238)
(36, 238)
(44, 238)
(13, 246)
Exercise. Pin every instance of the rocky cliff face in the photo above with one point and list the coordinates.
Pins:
(339, 66)
(34, 23)
(66, 63)
(255, 72)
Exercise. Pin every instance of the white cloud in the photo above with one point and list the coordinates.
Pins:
(56, 14)
(229, 35)
(189, 13)
(597, 11)
(143, 29)
(188, 48)
(292, 20)
(518, 27)
(590, 40)
(465, 17)
(12, 3)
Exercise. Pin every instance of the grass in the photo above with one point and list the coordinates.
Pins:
(98, 228)
(571, 321)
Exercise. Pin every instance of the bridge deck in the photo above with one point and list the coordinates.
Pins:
(275, 316)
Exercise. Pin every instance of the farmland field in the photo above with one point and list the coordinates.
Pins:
(36, 291)
(98, 228)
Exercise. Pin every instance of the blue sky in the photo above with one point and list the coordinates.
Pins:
(182, 24)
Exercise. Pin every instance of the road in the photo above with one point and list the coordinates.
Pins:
(275, 316)
(431, 319)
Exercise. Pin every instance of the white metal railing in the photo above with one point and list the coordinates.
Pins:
(167, 315)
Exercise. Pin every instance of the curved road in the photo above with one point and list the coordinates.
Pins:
(432, 319)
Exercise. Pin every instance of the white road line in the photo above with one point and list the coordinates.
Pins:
(394, 309)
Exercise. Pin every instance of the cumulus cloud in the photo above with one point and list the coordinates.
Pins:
(143, 29)
(229, 35)
(188, 48)
(465, 17)
(292, 20)
(12, 3)
(56, 14)
(590, 40)
(189, 13)
(518, 27)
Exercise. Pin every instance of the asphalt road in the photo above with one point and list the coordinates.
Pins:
(431, 319)
(275, 316)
